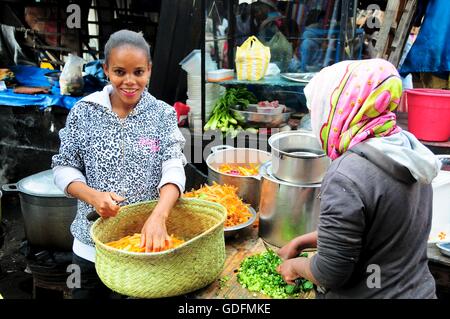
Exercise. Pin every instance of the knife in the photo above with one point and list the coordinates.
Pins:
(92, 216)
(266, 245)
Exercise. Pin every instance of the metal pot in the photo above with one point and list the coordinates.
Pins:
(248, 186)
(286, 210)
(46, 211)
(298, 158)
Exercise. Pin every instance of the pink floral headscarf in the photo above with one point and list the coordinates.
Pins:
(352, 101)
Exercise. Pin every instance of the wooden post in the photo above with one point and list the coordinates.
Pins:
(403, 30)
(389, 19)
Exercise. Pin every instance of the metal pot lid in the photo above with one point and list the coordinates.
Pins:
(265, 170)
(40, 184)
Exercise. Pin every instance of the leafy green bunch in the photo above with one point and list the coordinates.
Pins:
(258, 273)
(222, 118)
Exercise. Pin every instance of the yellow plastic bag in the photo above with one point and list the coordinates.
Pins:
(252, 60)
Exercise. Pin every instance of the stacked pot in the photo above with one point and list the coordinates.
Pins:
(286, 191)
(290, 185)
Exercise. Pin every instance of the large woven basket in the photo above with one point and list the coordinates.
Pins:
(191, 266)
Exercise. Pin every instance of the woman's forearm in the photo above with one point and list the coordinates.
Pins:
(168, 196)
(82, 192)
(308, 240)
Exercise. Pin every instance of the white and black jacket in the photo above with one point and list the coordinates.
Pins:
(133, 157)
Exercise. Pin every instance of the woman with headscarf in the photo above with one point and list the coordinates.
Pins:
(376, 198)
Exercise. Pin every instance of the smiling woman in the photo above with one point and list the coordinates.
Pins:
(120, 146)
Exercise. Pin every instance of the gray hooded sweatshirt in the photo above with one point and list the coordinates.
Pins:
(376, 209)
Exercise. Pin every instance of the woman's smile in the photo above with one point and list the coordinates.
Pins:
(129, 92)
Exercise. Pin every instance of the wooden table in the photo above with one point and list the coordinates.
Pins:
(440, 269)
(247, 243)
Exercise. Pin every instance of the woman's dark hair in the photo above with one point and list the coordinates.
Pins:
(126, 38)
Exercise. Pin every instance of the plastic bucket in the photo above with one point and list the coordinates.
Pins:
(429, 114)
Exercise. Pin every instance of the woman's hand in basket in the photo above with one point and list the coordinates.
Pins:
(154, 235)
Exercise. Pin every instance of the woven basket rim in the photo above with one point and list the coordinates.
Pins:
(167, 251)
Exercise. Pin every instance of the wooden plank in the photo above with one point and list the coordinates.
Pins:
(402, 33)
(389, 19)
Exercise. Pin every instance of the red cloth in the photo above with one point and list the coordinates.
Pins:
(182, 112)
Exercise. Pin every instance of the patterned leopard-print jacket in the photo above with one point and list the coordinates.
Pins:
(124, 156)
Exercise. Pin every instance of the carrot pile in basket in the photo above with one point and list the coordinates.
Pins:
(132, 243)
(240, 170)
(226, 195)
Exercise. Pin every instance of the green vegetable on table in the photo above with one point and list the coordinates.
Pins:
(258, 273)
(222, 118)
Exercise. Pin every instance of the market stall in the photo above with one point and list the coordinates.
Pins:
(261, 167)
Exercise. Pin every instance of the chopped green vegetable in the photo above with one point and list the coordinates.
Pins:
(258, 273)
(223, 281)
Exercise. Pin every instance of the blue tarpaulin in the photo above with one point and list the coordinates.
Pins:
(431, 50)
(34, 77)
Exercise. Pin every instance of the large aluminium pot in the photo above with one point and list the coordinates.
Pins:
(248, 186)
(46, 211)
(297, 157)
(286, 210)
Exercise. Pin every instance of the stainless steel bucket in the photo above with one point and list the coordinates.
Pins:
(286, 210)
(248, 186)
(46, 211)
(297, 157)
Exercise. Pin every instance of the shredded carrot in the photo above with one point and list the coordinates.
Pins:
(226, 195)
(240, 170)
(132, 243)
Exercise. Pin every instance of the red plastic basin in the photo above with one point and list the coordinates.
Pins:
(429, 114)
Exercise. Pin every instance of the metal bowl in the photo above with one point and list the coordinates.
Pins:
(298, 77)
(235, 230)
(53, 77)
(264, 120)
(444, 248)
